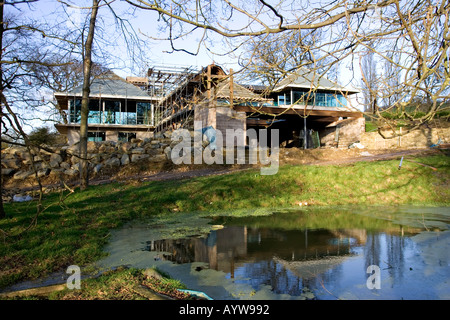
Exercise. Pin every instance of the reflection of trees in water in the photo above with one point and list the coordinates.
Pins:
(269, 272)
(372, 250)
(395, 257)
(329, 280)
(180, 250)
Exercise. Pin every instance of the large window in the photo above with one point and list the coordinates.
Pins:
(112, 112)
(298, 97)
(320, 99)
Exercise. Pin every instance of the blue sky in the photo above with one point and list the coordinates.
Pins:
(145, 24)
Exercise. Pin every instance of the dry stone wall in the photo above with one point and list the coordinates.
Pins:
(17, 162)
(421, 138)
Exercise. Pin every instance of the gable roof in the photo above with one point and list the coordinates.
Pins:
(239, 93)
(307, 79)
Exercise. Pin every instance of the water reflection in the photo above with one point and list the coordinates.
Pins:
(281, 251)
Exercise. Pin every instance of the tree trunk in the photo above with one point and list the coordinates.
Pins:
(87, 66)
(2, 209)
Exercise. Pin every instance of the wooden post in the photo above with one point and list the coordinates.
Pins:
(208, 84)
(231, 89)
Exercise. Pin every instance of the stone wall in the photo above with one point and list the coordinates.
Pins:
(343, 134)
(423, 137)
(17, 164)
(107, 155)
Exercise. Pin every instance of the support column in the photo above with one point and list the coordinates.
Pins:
(305, 135)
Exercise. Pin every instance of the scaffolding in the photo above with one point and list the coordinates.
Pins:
(175, 88)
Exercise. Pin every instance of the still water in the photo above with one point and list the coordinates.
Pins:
(307, 254)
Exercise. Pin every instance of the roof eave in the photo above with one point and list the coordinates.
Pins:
(345, 90)
(67, 95)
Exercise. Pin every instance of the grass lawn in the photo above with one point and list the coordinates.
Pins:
(74, 232)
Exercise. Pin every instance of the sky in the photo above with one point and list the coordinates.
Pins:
(146, 26)
(145, 23)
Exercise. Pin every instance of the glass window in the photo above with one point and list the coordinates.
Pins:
(311, 98)
(128, 118)
(342, 100)
(299, 97)
(144, 113)
(111, 114)
(94, 117)
(75, 111)
(96, 136)
(331, 100)
(126, 136)
(321, 99)
(94, 105)
(281, 101)
(288, 97)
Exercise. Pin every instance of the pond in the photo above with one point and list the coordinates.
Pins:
(323, 253)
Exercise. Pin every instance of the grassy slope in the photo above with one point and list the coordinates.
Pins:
(75, 232)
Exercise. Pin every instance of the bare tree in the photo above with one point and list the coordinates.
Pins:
(87, 68)
(416, 31)
(268, 58)
(61, 74)
(2, 4)
(21, 43)
(391, 85)
(369, 82)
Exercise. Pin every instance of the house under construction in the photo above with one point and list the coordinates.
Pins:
(307, 109)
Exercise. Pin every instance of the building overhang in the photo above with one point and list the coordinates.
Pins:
(345, 91)
(64, 128)
(301, 111)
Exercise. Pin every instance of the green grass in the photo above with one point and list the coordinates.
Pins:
(370, 126)
(123, 284)
(76, 231)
